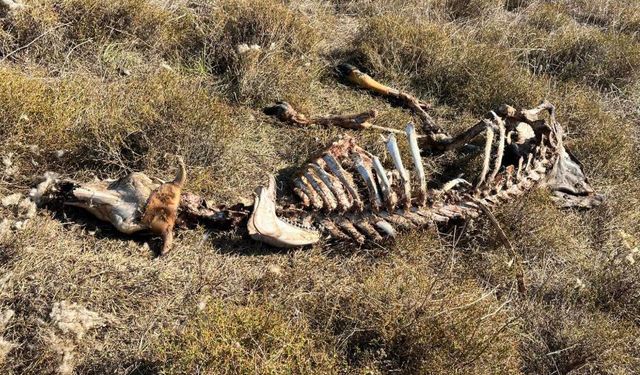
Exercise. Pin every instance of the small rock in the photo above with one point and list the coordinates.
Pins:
(6, 160)
(124, 72)
(202, 304)
(630, 259)
(59, 154)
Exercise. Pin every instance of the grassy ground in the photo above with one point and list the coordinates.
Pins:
(102, 88)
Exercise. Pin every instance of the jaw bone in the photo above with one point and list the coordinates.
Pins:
(265, 226)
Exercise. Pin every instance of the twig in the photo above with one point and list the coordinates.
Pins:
(505, 241)
(34, 40)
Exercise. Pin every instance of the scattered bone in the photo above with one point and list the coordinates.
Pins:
(386, 228)
(9, 168)
(244, 48)
(284, 112)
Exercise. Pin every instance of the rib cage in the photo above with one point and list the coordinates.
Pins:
(351, 196)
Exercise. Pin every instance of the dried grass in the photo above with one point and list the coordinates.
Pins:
(92, 88)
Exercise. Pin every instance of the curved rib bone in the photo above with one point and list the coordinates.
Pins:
(366, 174)
(487, 156)
(500, 150)
(385, 185)
(417, 162)
(334, 186)
(392, 147)
(344, 177)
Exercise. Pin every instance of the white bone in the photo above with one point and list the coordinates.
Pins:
(392, 147)
(487, 156)
(501, 144)
(344, 177)
(455, 182)
(327, 196)
(417, 162)
(365, 172)
(265, 226)
(385, 184)
(386, 228)
(334, 186)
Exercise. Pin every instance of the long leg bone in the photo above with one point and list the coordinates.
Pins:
(435, 135)
(284, 112)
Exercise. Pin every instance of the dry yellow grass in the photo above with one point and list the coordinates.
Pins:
(94, 88)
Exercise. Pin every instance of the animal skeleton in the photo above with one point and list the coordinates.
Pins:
(349, 195)
(346, 193)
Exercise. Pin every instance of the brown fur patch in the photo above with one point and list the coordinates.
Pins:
(161, 212)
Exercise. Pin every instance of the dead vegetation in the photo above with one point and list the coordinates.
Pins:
(93, 88)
